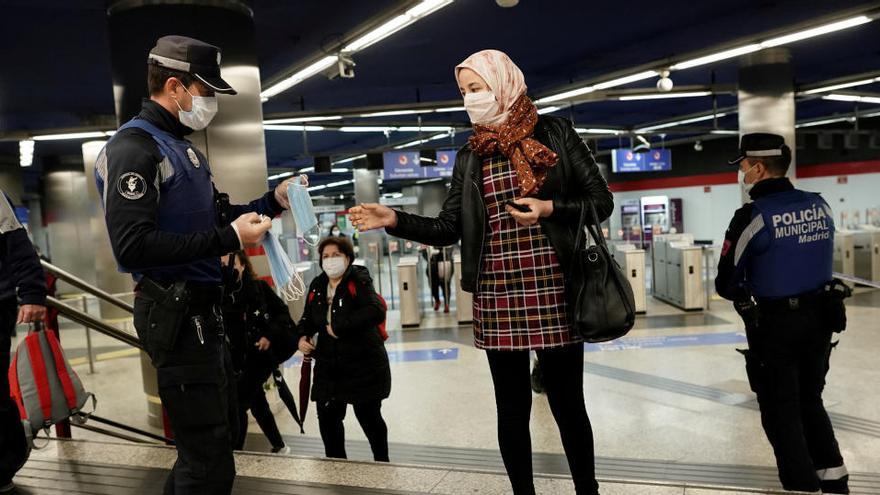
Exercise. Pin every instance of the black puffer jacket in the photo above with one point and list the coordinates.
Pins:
(252, 310)
(573, 180)
(353, 367)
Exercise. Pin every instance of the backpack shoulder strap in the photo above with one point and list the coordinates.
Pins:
(15, 388)
(41, 379)
(61, 369)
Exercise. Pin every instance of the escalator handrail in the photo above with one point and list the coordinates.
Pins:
(90, 321)
(85, 286)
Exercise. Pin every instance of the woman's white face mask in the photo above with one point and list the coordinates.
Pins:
(335, 266)
(482, 107)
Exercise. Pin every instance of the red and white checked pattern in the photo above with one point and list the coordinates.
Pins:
(520, 300)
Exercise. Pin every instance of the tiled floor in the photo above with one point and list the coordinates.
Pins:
(674, 393)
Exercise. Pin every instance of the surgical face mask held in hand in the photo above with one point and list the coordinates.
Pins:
(288, 281)
(302, 210)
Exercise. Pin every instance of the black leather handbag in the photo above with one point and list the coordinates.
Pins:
(602, 298)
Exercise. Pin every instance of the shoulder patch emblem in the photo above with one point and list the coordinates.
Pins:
(132, 186)
(193, 157)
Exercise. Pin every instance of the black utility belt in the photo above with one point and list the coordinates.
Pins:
(790, 303)
(182, 292)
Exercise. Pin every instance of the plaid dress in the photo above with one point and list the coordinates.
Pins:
(520, 300)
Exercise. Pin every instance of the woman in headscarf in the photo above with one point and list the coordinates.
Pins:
(515, 262)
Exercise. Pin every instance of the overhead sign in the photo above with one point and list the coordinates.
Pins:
(626, 160)
(402, 165)
(329, 208)
(443, 168)
(406, 200)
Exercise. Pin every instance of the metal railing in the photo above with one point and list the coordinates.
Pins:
(85, 286)
(91, 322)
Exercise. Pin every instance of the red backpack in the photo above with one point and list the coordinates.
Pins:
(42, 383)
(352, 289)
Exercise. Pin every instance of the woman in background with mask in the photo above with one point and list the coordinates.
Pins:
(261, 336)
(340, 329)
(515, 262)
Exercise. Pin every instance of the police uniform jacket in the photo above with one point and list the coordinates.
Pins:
(160, 203)
(778, 246)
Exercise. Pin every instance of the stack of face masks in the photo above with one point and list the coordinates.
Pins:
(288, 282)
(303, 211)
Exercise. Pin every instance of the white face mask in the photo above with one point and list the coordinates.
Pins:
(334, 267)
(482, 107)
(204, 108)
(741, 178)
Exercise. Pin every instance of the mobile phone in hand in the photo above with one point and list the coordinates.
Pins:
(518, 207)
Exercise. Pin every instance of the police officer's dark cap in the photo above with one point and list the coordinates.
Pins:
(193, 56)
(759, 145)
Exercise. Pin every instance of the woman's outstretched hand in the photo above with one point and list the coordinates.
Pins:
(370, 216)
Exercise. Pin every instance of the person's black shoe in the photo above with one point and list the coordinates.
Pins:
(7, 488)
(840, 485)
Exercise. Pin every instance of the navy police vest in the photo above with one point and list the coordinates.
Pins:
(795, 247)
(186, 203)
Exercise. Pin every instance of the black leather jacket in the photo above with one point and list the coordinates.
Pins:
(573, 180)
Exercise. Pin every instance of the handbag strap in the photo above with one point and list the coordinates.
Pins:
(593, 227)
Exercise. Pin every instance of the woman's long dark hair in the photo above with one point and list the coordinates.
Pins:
(245, 262)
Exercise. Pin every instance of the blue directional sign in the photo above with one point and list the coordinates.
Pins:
(627, 160)
(443, 168)
(402, 165)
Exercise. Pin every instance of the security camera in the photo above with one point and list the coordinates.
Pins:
(664, 84)
(344, 67)
(698, 146)
(507, 3)
(345, 64)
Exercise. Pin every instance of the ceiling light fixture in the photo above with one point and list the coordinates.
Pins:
(289, 128)
(298, 120)
(420, 11)
(833, 87)
(661, 96)
(853, 98)
(26, 152)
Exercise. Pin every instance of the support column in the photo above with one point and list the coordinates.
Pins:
(371, 244)
(766, 97)
(70, 242)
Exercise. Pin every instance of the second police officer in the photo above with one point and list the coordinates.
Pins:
(776, 268)
(168, 226)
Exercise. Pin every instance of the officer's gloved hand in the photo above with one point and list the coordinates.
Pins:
(281, 190)
(251, 227)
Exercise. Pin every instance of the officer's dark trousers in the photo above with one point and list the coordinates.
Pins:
(196, 388)
(792, 351)
(13, 445)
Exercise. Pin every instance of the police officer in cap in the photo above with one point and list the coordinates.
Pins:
(776, 267)
(168, 227)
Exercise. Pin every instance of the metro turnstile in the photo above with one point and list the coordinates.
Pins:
(632, 262)
(866, 254)
(678, 271)
(844, 261)
(464, 301)
(408, 288)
